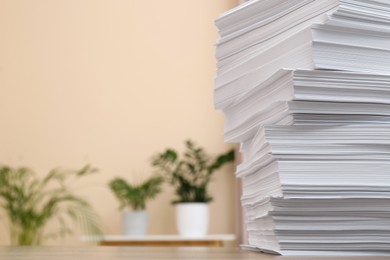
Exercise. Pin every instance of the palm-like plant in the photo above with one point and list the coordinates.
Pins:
(30, 203)
(191, 173)
(135, 196)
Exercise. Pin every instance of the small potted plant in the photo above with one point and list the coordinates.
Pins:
(134, 197)
(190, 175)
(30, 203)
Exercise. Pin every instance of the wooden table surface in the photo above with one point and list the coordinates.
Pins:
(155, 253)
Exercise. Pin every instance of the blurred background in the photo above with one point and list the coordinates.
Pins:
(110, 83)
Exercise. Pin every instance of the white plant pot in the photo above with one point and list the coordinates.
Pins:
(192, 219)
(135, 223)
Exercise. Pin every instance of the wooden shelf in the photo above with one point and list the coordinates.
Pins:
(166, 240)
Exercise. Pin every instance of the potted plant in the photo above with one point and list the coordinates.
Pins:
(30, 203)
(134, 197)
(190, 175)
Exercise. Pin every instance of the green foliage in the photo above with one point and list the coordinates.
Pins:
(190, 174)
(135, 196)
(30, 203)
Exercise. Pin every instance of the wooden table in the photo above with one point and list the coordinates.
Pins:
(155, 253)
(166, 240)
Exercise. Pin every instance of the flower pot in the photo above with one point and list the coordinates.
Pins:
(135, 223)
(192, 219)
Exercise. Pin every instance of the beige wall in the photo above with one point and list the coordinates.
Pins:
(111, 82)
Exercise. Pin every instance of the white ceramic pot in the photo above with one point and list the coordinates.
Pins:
(192, 219)
(135, 223)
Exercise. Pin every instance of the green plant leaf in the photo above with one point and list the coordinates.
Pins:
(135, 196)
(30, 205)
(191, 173)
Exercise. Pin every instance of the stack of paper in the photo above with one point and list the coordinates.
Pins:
(330, 96)
(356, 37)
(305, 90)
(260, 37)
(343, 226)
(293, 159)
